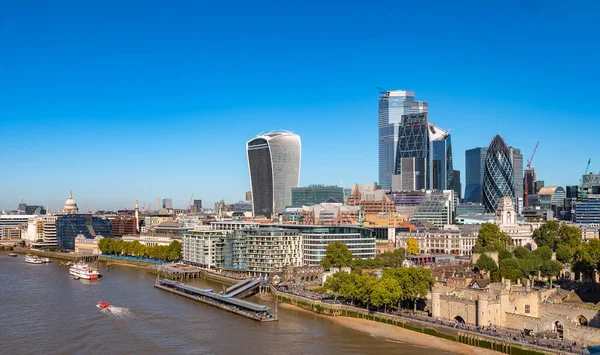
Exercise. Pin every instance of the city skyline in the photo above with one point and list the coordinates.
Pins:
(118, 118)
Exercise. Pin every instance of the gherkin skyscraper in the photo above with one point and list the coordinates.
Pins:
(498, 178)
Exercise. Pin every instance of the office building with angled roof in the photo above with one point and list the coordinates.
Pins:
(274, 165)
(498, 178)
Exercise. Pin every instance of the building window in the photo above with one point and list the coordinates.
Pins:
(527, 309)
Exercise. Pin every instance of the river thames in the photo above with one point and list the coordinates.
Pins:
(44, 310)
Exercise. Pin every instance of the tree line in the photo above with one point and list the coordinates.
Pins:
(397, 284)
(171, 252)
(522, 263)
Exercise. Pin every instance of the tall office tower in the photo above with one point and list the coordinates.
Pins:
(457, 184)
(197, 205)
(412, 154)
(529, 182)
(498, 178)
(516, 159)
(442, 169)
(474, 169)
(167, 203)
(249, 196)
(392, 106)
(274, 164)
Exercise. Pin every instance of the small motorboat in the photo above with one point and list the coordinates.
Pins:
(13, 255)
(102, 305)
(46, 260)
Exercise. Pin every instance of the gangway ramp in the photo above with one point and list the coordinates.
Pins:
(237, 285)
(244, 289)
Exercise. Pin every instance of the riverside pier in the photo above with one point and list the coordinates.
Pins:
(225, 301)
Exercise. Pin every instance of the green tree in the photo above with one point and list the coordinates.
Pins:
(491, 238)
(393, 258)
(511, 274)
(175, 251)
(105, 245)
(349, 288)
(564, 254)
(337, 254)
(530, 265)
(521, 252)
(509, 264)
(412, 247)
(504, 254)
(570, 236)
(365, 286)
(386, 292)
(544, 253)
(334, 283)
(486, 263)
(547, 235)
(414, 282)
(550, 269)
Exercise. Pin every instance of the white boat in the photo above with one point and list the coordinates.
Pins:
(33, 259)
(45, 260)
(84, 271)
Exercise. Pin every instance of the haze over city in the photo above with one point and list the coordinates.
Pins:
(152, 102)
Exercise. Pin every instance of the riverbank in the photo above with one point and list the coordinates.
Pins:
(416, 326)
(396, 334)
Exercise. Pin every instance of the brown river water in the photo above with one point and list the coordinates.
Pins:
(45, 311)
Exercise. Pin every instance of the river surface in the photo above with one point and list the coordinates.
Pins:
(45, 311)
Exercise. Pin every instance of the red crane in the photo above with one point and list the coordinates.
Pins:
(532, 155)
(529, 168)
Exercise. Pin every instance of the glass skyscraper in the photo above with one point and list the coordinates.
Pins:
(498, 178)
(274, 164)
(413, 152)
(474, 169)
(442, 169)
(392, 106)
(516, 159)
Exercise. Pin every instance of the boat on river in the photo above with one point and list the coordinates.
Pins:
(33, 259)
(103, 305)
(84, 271)
(13, 255)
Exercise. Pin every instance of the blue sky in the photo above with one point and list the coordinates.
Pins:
(129, 100)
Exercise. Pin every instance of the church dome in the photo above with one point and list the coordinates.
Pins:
(70, 204)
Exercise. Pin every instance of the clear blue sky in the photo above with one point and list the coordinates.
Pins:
(125, 100)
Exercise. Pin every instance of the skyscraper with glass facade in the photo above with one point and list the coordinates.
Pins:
(442, 169)
(474, 169)
(274, 164)
(413, 152)
(516, 159)
(392, 106)
(498, 178)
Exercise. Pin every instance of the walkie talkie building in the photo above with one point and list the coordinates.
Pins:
(274, 165)
(498, 178)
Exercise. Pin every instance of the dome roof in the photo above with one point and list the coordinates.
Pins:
(70, 201)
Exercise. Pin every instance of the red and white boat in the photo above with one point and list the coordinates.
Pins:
(102, 305)
(84, 271)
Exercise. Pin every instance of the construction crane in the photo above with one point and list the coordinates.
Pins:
(189, 206)
(148, 209)
(86, 207)
(532, 155)
(582, 193)
(529, 168)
